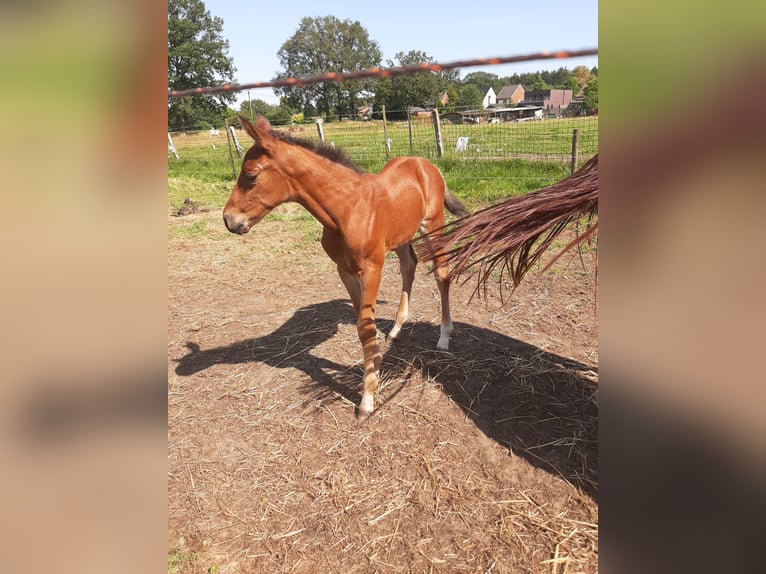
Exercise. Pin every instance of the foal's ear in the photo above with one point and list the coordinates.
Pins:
(248, 127)
(260, 131)
(262, 123)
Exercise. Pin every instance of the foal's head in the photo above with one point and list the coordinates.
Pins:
(261, 185)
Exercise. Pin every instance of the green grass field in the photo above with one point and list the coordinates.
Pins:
(501, 160)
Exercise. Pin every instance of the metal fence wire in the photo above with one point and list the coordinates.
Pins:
(538, 151)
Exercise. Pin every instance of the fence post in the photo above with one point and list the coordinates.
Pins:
(319, 129)
(438, 132)
(574, 150)
(231, 156)
(236, 143)
(409, 128)
(385, 132)
(171, 147)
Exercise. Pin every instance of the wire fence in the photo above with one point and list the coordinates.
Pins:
(525, 155)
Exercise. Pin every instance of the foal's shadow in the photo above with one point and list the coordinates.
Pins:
(541, 406)
(289, 346)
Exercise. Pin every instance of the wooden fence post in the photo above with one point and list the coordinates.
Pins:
(574, 150)
(236, 143)
(231, 156)
(319, 129)
(171, 147)
(438, 132)
(385, 132)
(409, 128)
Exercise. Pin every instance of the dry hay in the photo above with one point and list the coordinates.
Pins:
(479, 460)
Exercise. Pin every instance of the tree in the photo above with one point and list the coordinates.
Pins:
(469, 97)
(197, 57)
(402, 92)
(539, 84)
(590, 101)
(557, 79)
(483, 80)
(322, 45)
(251, 108)
(582, 75)
(572, 85)
(277, 115)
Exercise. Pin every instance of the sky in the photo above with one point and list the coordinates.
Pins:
(446, 31)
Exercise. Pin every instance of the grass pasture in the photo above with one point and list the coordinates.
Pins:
(500, 160)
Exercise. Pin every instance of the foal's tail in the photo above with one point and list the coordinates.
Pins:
(453, 204)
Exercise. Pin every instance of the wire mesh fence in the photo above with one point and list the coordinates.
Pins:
(491, 159)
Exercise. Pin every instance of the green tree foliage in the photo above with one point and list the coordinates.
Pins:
(557, 79)
(581, 74)
(251, 108)
(469, 97)
(402, 92)
(327, 44)
(197, 57)
(483, 80)
(539, 83)
(277, 115)
(590, 100)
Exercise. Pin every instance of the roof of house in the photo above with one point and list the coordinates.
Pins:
(506, 92)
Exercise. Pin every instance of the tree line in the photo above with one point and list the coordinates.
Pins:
(198, 56)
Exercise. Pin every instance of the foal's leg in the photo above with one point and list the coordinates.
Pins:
(368, 336)
(354, 287)
(408, 261)
(442, 276)
(443, 282)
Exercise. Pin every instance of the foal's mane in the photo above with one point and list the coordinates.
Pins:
(334, 154)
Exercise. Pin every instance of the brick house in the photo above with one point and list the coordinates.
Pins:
(510, 95)
(552, 101)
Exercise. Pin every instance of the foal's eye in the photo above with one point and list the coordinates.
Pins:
(251, 177)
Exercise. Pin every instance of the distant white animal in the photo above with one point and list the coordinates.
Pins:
(213, 132)
(462, 143)
(389, 141)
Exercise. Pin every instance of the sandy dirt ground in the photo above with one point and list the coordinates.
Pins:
(481, 459)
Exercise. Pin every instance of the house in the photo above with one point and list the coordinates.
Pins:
(510, 95)
(552, 101)
(488, 98)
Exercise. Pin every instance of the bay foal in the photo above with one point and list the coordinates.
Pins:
(365, 216)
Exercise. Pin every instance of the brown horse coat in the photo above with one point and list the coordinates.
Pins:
(365, 216)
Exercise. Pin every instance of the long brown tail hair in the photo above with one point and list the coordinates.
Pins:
(515, 232)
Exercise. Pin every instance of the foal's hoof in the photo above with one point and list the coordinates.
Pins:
(362, 415)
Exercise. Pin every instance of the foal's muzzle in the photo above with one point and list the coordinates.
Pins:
(236, 223)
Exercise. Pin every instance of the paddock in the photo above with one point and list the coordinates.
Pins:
(480, 459)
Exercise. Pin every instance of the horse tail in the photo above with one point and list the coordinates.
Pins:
(453, 204)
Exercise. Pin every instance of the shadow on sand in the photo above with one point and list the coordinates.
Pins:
(540, 405)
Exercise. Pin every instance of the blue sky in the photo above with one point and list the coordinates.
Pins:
(446, 31)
